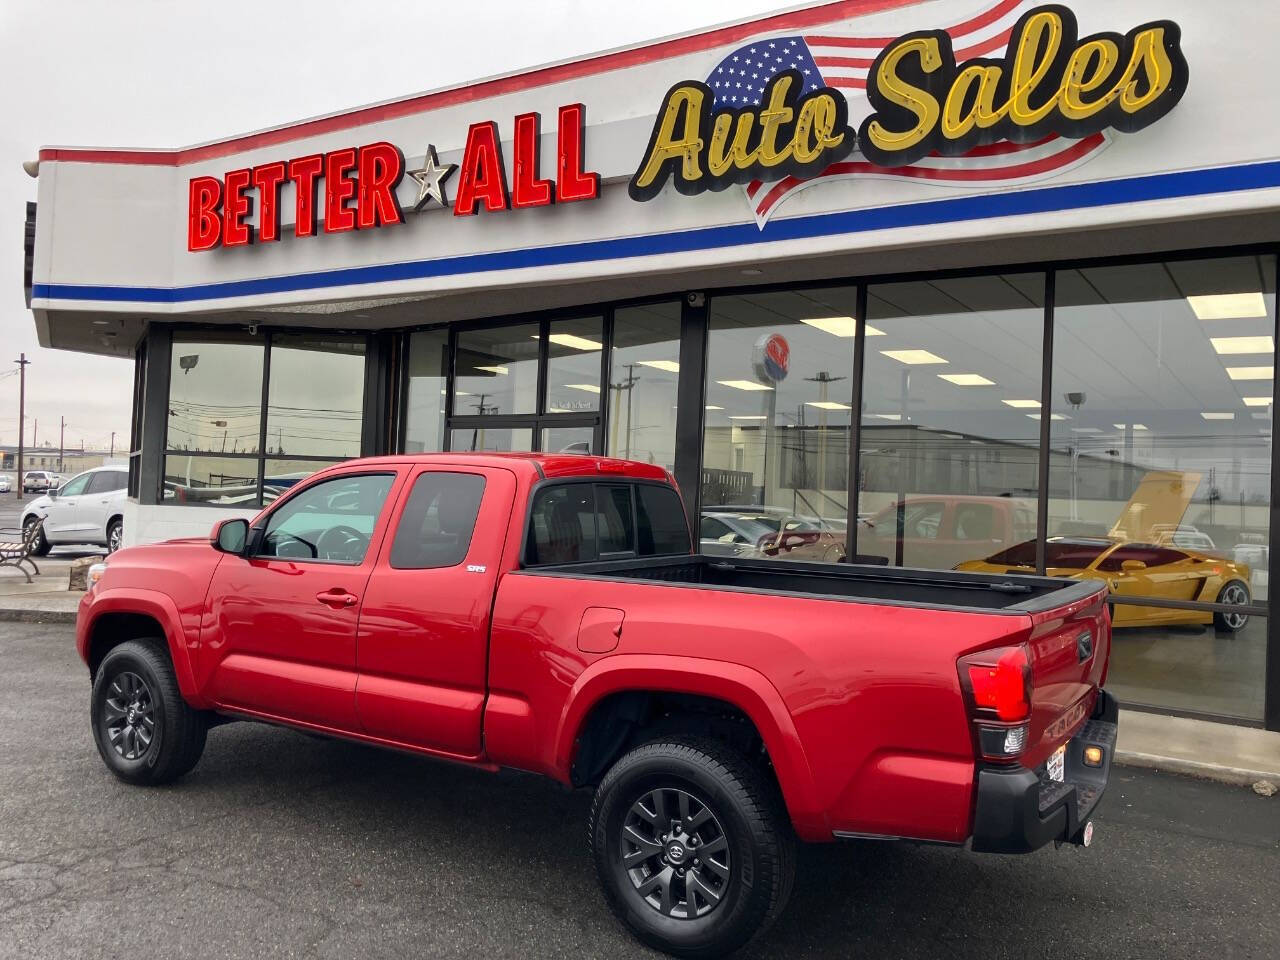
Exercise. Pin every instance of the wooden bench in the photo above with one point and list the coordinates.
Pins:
(16, 552)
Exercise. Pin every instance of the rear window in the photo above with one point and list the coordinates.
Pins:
(579, 522)
(438, 521)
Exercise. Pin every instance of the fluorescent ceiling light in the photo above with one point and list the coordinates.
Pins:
(828, 405)
(1136, 426)
(572, 340)
(668, 365)
(914, 358)
(1052, 416)
(1022, 404)
(496, 368)
(752, 417)
(743, 385)
(885, 416)
(1235, 345)
(1217, 416)
(836, 326)
(1250, 373)
(1229, 306)
(1257, 401)
(713, 407)
(585, 387)
(1085, 430)
(967, 379)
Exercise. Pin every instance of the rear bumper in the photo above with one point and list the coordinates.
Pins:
(1019, 810)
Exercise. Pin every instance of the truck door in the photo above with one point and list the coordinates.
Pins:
(424, 626)
(282, 621)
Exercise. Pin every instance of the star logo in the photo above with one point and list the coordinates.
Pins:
(431, 178)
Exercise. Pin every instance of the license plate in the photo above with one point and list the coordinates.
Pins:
(1058, 764)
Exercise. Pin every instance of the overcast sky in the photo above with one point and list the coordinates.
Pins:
(88, 73)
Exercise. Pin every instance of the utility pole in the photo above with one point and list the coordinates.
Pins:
(22, 362)
(62, 432)
(113, 445)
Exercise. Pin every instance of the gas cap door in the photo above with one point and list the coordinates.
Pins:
(600, 629)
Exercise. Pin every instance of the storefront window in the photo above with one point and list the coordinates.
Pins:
(428, 380)
(221, 481)
(950, 419)
(315, 401)
(496, 371)
(279, 475)
(573, 365)
(1160, 473)
(215, 395)
(644, 384)
(569, 439)
(778, 408)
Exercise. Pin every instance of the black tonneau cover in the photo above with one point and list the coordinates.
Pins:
(935, 589)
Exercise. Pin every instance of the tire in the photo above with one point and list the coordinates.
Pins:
(115, 535)
(42, 545)
(1232, 592)
(739, 816)
(136, 682)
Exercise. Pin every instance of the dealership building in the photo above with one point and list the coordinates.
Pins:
(956, 282)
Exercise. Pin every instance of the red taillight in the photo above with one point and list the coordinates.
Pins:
(1000, 681)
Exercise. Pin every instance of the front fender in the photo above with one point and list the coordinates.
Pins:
(744, 688)
(150, 603)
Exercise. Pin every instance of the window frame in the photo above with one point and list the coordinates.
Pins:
(258, 532)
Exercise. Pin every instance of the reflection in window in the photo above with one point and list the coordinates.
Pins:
(315, 403)
(424, 409)
(215, 395)
(568, 439)
(1161, 449)
(573, 365)
(779, 402)
(496, 371)
(951, 418)
(223, 481)
(491, 439)
(643, 388)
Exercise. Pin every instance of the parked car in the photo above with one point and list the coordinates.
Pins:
(1138, 570)
(35, 481)
(769, 532)
(88, 508)
(544, 612)
(942, 531)
(1186, 537)
(6, 485)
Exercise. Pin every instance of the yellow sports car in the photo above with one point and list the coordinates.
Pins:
(1135, 570)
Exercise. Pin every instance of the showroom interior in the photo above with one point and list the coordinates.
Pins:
(1105, 418)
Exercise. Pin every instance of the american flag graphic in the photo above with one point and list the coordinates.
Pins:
(844, 62)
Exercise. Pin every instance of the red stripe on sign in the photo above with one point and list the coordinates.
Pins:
(638, 56)
(1017, 171)
(987, 46)
(846, 83)
(859, 63)
(972, 25)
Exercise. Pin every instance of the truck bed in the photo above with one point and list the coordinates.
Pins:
(935, 589)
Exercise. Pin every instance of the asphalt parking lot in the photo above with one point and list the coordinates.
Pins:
(280, 845)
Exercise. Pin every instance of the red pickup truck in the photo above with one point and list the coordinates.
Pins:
(547, 613)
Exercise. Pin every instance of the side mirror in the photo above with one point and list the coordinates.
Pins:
(1132, 566)
(230, 536)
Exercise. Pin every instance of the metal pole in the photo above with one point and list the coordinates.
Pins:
(113, 444)
(62, 432)
(22, 362)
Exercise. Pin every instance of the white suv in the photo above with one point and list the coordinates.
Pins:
(88, 508)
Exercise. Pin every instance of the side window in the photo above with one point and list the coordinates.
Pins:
(438, 520)
(616, 528)
(562, 525)
(331, 521)
(975, 521)
(922, 521)
(713, 529)
(660, 523)
(106, 481)
(73, 488)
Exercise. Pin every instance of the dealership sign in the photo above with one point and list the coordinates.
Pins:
(775, 111)
(354, 188)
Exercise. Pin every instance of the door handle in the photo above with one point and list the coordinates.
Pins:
(337, 598)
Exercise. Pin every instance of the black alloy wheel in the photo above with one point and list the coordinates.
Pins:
(129, 716)
(692, 846)
(675, 853)
(115, 536)
(41, 547)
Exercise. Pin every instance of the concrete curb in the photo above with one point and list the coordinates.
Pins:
(25, 615)
(1234, 776)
